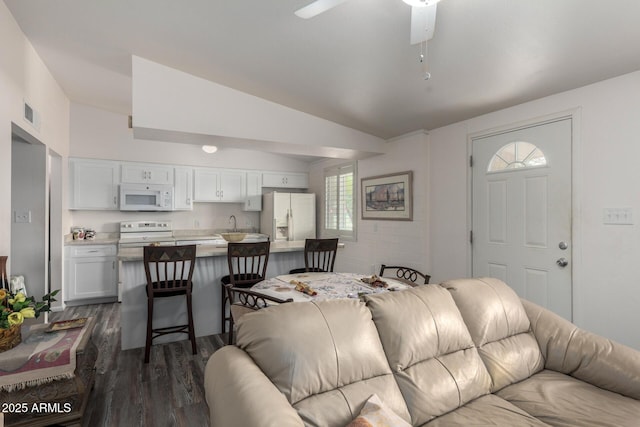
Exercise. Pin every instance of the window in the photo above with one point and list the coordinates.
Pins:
(517, 155)
(340, 201)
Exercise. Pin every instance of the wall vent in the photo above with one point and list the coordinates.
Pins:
(31, 115)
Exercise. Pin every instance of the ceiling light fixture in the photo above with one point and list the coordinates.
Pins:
(420, 3)
(209, 149)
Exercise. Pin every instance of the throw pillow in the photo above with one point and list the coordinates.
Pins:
(376, 414)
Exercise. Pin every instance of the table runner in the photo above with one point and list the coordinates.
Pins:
(42, 357)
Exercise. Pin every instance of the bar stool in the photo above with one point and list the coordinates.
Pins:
(247, 266)
(169, 271)
(319, 255)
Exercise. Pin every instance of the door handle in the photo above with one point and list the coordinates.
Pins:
(562, 262)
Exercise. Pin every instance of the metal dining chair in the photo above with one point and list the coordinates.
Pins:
(407, 275)
(247, 266)
(169, 272)
(319, 255)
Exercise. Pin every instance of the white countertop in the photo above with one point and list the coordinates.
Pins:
(135, 254)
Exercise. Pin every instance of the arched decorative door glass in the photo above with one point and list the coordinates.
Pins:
(517, 155)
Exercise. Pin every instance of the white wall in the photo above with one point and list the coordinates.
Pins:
(388, 242)
(605, 264)
(96, 133)
(23, 76)
(29, 194)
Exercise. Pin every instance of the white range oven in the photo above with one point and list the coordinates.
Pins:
(136, 234)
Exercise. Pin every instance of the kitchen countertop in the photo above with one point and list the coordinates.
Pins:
(135, 254)
(100, 239)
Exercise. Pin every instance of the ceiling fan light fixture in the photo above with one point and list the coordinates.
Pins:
(420, 3)
(209, 149)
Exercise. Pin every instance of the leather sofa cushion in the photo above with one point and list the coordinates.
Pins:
(429, 349)
(488, 410)
(499, 327)
(320, 355)
(564, 401)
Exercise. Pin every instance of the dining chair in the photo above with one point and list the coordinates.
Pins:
(243, 301)
(4, 279)
(319, 255)
(407, 275)
(247, 266)
(169, 273)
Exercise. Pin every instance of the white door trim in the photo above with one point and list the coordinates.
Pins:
(576, 197)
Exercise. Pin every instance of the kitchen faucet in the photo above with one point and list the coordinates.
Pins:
(235, 225)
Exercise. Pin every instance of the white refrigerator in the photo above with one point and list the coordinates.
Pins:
(288, 216)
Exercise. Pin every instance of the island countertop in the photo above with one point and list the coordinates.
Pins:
(135, 254)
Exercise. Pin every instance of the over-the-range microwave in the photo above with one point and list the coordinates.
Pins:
(146, 197)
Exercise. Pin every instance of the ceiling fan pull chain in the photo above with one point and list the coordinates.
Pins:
(423, 60)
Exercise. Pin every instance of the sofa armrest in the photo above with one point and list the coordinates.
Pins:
(239, 394)
(584, 355)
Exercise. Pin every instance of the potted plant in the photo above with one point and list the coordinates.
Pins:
(14, 309)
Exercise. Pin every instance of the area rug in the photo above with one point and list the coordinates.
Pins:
(42, 357)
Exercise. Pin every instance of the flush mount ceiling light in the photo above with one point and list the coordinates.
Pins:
(420, 3)
(209, 149)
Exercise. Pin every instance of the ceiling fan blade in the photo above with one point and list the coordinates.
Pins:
(423, 23)
(317, 7)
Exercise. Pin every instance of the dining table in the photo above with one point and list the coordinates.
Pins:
(326, 285)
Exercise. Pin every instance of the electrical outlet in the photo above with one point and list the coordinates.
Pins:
(617, 216)
(22, 216)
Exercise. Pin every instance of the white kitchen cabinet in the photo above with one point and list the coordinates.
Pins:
(91, 272)
(141, 173)
(218, 185)
(183, 190)
(253, 199)
(94, 184)
(285, 180)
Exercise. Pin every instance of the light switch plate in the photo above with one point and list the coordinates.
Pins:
(618, 216)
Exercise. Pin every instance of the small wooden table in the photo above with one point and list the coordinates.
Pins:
(60, 402)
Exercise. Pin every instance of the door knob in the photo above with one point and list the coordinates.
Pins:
(563, 245)
(562, 262)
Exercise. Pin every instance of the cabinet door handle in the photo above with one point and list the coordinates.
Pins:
(113, 265)
(115, 201)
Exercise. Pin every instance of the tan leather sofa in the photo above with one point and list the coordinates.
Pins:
(466, 352)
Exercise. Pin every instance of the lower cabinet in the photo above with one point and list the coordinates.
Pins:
(91, 272)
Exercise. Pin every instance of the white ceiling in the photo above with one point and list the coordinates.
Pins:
(352, 65)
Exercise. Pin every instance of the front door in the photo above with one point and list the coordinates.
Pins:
(521, 197)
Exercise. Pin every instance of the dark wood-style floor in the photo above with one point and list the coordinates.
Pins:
(166, 392)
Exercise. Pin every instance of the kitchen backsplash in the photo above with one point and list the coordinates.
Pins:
(203, 216)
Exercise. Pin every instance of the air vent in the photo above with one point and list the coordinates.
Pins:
(31, 115)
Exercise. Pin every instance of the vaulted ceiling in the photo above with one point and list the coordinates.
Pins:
(352, 65)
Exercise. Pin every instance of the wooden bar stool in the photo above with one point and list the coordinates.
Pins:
(319, 255)
(247, 266)
(169, 270)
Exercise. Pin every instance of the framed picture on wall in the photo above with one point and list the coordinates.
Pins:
(388, 197)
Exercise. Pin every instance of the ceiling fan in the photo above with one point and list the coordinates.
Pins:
(423, 16)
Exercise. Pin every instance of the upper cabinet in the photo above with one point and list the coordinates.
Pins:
(218, 185)
(94, 184)
(183, 190)
(253, 199)
(285, 180)
(139, 173)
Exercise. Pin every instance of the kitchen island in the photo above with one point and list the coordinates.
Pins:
(211, 265)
